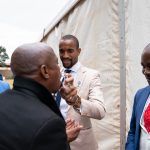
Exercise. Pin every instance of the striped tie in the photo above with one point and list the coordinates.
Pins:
(58, 96)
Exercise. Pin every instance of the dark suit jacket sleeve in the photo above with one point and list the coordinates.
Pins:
(130, 144)
(52, 135)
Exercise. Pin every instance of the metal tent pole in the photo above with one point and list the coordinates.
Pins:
(122, 74)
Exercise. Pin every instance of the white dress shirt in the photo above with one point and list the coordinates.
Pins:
(145, 136)
(63, 105)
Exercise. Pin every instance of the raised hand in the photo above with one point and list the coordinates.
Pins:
(72, 129)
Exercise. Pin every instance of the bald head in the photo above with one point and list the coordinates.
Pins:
(146, 51)
(27, 58)
(37, 61)
(147, 48)
(145, 62)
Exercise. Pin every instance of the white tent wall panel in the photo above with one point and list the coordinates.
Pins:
(139, 37)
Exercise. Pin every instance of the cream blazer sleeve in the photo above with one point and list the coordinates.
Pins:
(90, 91)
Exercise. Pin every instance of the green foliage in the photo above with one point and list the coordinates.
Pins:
(3, 56)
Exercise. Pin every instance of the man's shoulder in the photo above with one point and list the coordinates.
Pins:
(142, 90)
(4, 86)
(31, 104)
(89, 70)
(3, 83)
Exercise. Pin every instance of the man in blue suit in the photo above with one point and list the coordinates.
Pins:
(139, 133)
(3, 85)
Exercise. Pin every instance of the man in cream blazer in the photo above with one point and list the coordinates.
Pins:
(88, 103)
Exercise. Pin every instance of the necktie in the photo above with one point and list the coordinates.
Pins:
(58, 96)
(67, 71)
(147, 118)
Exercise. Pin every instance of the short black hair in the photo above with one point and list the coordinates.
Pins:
(69, 36)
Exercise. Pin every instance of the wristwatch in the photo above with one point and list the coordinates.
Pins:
(77, 102)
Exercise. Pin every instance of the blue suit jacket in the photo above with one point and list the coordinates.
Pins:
(3, 86)
(133, 138)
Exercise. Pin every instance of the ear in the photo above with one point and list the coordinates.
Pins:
(44, 71)
(79, 50)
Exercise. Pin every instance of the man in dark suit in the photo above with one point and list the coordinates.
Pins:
(139, 133)
(30, 118)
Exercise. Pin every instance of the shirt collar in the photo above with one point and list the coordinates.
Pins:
(75, 67)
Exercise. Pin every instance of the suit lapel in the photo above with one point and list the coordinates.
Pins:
(80, 77)
(141, 103)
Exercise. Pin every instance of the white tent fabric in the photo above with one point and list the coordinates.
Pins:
(96, 24)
